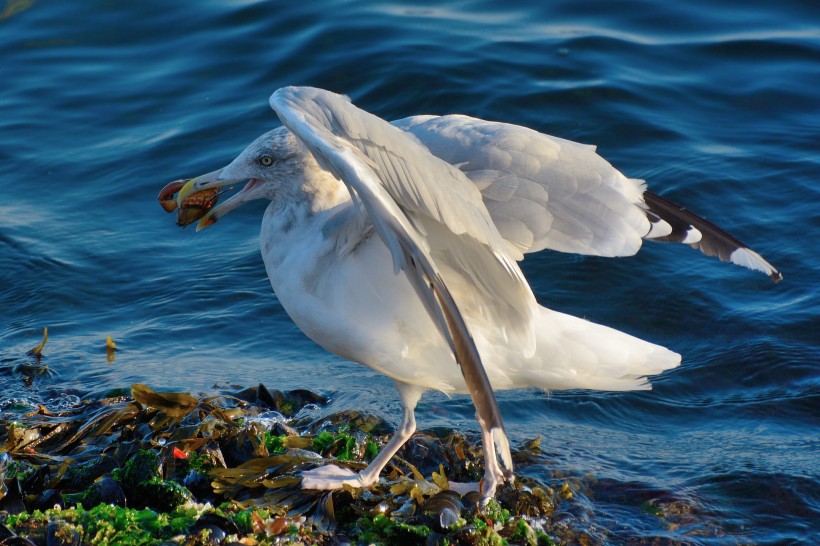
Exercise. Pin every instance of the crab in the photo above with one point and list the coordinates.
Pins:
(194, 207)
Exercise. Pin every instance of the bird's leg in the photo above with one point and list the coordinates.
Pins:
(493, 475)
(335, 477)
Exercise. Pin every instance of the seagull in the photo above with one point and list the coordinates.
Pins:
(397, 246)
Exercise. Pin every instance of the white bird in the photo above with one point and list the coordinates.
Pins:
(397, 246)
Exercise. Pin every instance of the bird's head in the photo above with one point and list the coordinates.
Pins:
(264, 165)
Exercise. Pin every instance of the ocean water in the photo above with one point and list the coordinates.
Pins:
(715, 104)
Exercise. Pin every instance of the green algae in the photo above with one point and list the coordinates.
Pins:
(156, 445)
(382, 529)
(105, 525)
(341, 445)
(274, 443)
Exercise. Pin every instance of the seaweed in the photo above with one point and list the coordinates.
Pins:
(192, 469)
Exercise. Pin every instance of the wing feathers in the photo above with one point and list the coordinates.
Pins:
(689, 228)
(584, 204)
(600, 210)
(324, 122)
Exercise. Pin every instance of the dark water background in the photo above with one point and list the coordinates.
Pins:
(716, 104)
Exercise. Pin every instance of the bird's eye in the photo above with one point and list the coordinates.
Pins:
(266, 160)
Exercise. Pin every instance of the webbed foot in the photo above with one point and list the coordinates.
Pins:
(330, 477)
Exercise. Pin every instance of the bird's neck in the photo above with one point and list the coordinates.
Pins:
(323, 191)
(292, 237)
(313, 192)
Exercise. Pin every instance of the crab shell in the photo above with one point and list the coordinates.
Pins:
(194, 207)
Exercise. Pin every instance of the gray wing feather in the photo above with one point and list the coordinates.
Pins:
(547, 192)
(339, 136)
(563, 193)
(430, 193)
(405, 170)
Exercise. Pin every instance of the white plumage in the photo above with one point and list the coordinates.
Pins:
(541, 191)
(396, 246)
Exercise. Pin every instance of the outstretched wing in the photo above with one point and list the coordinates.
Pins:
(547, 192)
(689, 228)
(406, 191)
(542, 191)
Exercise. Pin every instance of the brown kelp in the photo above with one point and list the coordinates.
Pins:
(158, 466)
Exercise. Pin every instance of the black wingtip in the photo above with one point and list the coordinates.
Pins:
(684, 226)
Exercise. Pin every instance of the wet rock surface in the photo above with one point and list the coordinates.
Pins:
(158, 467)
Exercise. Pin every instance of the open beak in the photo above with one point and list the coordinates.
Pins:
(194, 198)
(199, 183)
(214, 180)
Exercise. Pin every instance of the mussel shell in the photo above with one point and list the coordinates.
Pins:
(237, 450)
(437, 539)
(352, 420)
(107, 491)
(287, 403)
(427, 453)
(59, 533)
(444, 508)
(48, 499)
(12, 502)
(83, 476)
(533, 502)
(198, 484)
(303, 397)
(219, 527)
(5, 532)
(447, 518)
(37, 480)
(443, 499)
(473, 498)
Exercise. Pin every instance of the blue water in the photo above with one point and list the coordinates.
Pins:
(716, 104)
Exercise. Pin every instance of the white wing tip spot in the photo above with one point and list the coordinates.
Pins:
(693, 235)
(661, 228)
(746, 257)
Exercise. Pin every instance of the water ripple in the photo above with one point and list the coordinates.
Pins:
(716, 109)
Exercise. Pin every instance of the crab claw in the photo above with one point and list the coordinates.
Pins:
(166, 195)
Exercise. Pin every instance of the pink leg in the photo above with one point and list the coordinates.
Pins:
(493, 475)
(335, 477)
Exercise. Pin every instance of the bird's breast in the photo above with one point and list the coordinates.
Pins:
(352, 303)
